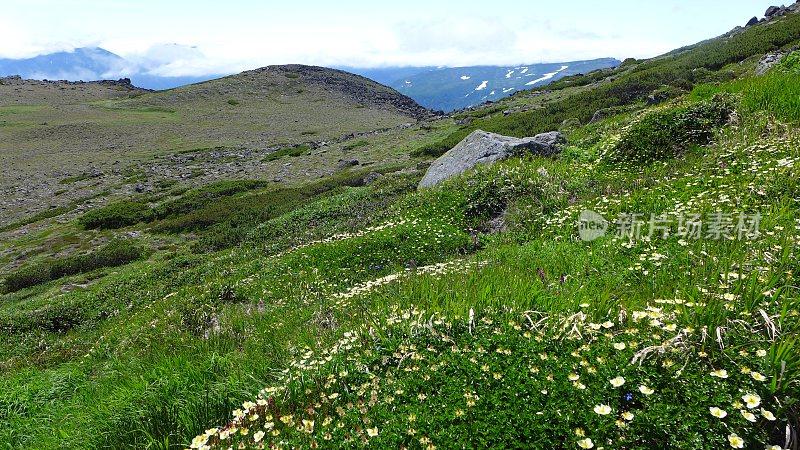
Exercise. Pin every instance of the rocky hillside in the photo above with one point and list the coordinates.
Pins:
(16, 91)
(273, 82)
(97, 132)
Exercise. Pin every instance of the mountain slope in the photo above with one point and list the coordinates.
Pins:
(449, 89)
(54, 131)
(273, 82)
(355, 311)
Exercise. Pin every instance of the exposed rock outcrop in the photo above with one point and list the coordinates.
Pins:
(123, 83)
(768, 61)
(481, 147)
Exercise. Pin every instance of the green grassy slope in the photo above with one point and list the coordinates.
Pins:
(340, 313)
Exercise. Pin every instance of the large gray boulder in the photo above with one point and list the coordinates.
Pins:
(481, 147)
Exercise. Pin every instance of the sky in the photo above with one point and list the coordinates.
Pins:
(184, 38)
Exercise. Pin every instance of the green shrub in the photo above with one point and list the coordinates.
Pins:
(202, 197)
(27, 276)
(116, 215)
(295, 151)
(665, 93)
(227, 220)
(113, 254)
(355, 145)
(667, 133)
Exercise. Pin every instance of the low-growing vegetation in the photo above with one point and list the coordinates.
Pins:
(113, 254)
(116, 215)
(668, 132)
(46, 214)
(287, 151)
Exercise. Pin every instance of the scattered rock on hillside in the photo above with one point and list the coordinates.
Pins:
(570, 124)
(769, 60)
(371, 178)
(345, 163)
(752, 22)
(481, 147)
(599, 115)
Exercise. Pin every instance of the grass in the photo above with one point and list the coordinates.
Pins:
(776, 93)
(346, 315)
(312, 295)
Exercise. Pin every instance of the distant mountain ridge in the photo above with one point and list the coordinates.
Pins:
(91, 64)
(437, 88)
(455, 88)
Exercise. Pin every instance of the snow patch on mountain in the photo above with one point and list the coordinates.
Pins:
(547, 76)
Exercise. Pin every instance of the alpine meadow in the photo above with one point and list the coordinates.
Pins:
(300, 257)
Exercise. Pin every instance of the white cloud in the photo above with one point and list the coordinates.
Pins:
(218, 37)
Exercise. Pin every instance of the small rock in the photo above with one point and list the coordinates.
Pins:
(753, 21)
(570, 124)
(345, 163)
(497, 224)
(371, 178)
(599, 115)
